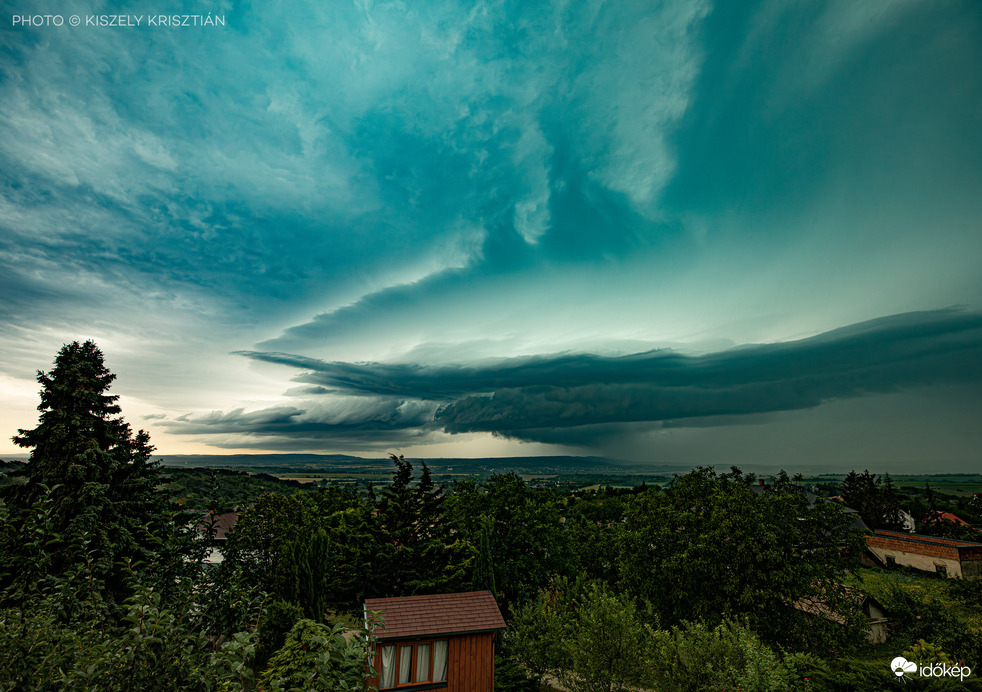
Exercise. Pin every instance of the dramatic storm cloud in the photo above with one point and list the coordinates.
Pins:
(682, 230)
(532, 397)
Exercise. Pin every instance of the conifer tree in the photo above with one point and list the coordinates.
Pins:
(89, 464)
(418, 554)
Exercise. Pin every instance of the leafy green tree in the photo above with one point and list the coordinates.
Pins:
(710, 548)
(594, 524)
(581, 632)
(316, 657)
(94, 471)
(605, 643)
(527, 538)
(694, 657)
(483, 579)
(257, 542)
(305, 574)
(62, 633)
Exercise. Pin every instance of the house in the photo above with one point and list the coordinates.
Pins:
(873, 611)
(936, 516)
(907, 521)
(214, 529)
(943, 556)
(436, 642)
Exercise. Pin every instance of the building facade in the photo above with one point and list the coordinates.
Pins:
(943, 556)
(434, 642)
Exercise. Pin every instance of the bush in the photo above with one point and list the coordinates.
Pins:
(728, 657)
(278, 619)
(316, 657)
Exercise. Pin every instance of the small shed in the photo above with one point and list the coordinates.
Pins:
(873, 611)
(435, 642)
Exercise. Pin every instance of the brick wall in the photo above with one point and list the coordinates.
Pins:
(929, 549)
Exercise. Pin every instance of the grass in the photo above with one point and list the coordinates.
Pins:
(882, 585)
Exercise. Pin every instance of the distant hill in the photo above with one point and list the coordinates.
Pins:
(338, 462)
(223, 461)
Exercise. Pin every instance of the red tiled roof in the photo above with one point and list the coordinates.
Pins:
(423, 616)
(937, 515)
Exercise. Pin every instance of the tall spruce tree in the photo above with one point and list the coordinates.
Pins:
(95, 474)
(418, 553)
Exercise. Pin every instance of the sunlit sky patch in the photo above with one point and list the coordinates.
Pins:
(675, 232)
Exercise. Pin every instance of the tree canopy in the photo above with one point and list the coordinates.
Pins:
(92, 470)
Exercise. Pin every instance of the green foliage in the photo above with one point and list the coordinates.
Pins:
(874, 498)
(536, 633)
(711, 549)
(603, 644)
(590, 638)
(511, 676)
(94, 473)
(304, 573)
(729, 657)
(416, 551)
(483, 579)
(926, 652)
(594, 640)
(278, 619)
(527, 540)
(224, 490)
(153, 645)
(594, 523)
(315, 657)
(942, 611)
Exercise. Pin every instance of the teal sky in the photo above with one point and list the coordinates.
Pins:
(672, 232)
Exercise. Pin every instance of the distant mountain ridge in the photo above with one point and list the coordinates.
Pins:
(543, 464)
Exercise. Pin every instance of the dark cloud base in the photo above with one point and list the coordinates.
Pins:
(584, 398)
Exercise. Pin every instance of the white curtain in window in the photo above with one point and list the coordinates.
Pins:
(387, 678)
(440, 660)
(422, 662)
(405, 663)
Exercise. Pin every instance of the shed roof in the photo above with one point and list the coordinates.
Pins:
(423, 616)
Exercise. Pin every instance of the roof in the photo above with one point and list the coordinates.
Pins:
(422, 616)
(925, 545)
(819, 605)
(218, 524)
(937, 515)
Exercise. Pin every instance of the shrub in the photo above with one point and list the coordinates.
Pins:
(316, 657)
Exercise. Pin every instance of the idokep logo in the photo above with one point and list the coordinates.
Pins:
(901, 667)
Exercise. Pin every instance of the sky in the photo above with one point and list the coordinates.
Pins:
(676, 232)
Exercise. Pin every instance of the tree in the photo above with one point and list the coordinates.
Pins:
(696, 657)
(101, 480)
(712, 549)
(317, 657)
(527, 538)
(876, 501)
(590, 638)
(418, 553)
